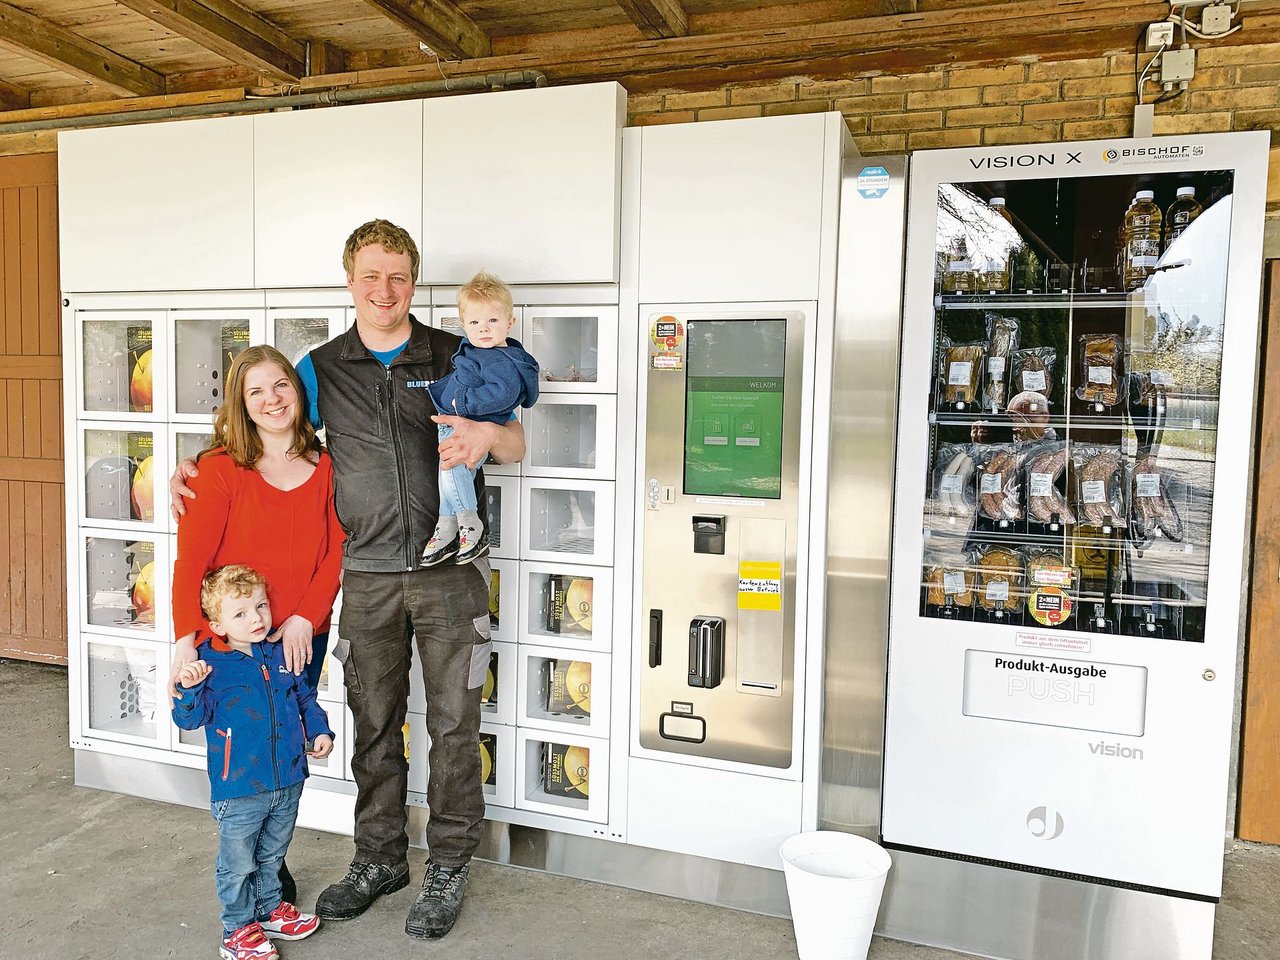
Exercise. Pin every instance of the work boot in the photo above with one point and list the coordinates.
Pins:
(439, 901)
(364, 883)
(288, 888)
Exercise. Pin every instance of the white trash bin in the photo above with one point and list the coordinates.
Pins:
(834, 883)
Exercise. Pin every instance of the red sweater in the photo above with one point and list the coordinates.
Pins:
(291, 537)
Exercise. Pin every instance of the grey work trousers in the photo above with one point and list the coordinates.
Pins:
(447, 609)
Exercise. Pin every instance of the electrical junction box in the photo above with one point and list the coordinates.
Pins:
(1160, 35)
(1177, 65)
(1216, 19)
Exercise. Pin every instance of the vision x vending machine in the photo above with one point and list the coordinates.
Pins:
(1077, 401)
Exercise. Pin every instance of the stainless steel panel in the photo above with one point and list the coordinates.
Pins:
(863, 418)
(748, 716)
(1024, 916)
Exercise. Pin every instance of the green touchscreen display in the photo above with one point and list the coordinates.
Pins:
(733, 408)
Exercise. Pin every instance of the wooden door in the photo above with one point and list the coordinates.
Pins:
(1260, 766)
(33, 583)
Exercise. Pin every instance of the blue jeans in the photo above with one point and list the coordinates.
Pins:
(253, 835)
(457, 485)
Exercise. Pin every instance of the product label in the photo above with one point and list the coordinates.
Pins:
(1055, 576)
(953, 582)
(950, 483)
(959, 266)
(990, 483)
(1161, 378)
(1094, 491)
(1182, 216)
(1041, 484)
(1148, 484)
(1033, 380)
(997, 590)
(1049, 605)
(995, 366)
(1143, 262)
(1099, 374)
(958, 374)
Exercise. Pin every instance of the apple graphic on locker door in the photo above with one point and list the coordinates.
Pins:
(143, 492)
(140, 384)
(144, 594)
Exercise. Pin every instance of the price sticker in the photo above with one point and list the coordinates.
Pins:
(997, 590)
(1100, 375)
(1094, 491)
(958, 373)
(951, 483)
(1033, 380)
(1148, 484)
(995, 366)
(953, 582)
(1041, 484)
(990, 483)
(1161, 378)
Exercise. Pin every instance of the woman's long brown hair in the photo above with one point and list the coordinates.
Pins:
(234, 431)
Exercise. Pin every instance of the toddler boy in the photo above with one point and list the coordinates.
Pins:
(257, 717)
(492, 375)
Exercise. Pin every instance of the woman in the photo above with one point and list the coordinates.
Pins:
(264, 499)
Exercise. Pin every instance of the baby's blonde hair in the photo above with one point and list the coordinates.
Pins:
(484, 287)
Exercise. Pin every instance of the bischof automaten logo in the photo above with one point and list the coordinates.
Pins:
(1137, 154)
(1045, 823)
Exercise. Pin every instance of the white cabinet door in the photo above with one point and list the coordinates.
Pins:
(319, 174)
(524, 183)
(164, 206)
(732, 210)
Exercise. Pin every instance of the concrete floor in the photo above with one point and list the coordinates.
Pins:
(94, 875)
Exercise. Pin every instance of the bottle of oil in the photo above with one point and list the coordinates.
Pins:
(1141, 239)
(995, 273)
(1181, 213)
(959, 276)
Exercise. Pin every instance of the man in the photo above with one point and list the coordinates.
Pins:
(367, 387)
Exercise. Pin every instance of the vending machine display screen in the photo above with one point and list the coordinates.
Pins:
(733, 408)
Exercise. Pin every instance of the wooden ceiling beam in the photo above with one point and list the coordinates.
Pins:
(13, 98)
(449, 32)
(657, 18)
(30, 36)
(230, 31)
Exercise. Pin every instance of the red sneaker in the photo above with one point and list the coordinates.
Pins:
(287, 922)
(248, 943)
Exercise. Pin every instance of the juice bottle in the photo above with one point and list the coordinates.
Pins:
(1181, 213)
(1141, 239)
(959, 276)
(995, 273)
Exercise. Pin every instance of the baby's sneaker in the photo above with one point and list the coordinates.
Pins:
(442, 545)
(248, 943)
(287, 922)
(472, 542)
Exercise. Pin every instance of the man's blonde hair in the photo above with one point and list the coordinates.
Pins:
(386, 235)
(231, 580)
(484, 287)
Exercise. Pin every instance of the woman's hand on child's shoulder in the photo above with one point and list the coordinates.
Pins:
(194, 673)
(322, 747)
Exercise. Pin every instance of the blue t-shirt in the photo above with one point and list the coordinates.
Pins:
(311, 387)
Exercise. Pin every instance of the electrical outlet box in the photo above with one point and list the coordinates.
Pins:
(1177, 65)
(1160, 35)
(1216, 19)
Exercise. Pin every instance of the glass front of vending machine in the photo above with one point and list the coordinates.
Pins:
(1074, 436)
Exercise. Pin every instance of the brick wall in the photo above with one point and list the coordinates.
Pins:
(1235, 88)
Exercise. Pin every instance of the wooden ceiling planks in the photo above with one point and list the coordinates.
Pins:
(720, 41)
(230, 31)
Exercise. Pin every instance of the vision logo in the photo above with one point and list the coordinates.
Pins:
(1110, 156)
(1045, 824)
